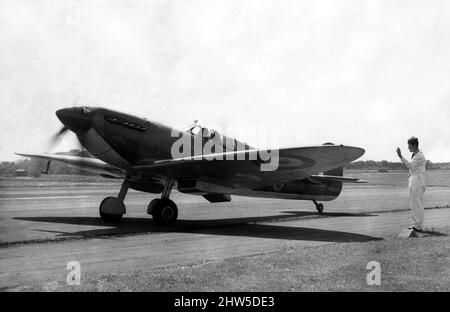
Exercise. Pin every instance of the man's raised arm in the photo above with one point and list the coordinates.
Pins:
(404, 161)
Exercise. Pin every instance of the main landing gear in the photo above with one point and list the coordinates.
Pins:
(164, 210)
(319, 206)
(112, 208)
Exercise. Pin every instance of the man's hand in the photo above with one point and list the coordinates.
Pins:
(399, 152)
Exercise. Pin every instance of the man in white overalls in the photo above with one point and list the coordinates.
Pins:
(416, 182)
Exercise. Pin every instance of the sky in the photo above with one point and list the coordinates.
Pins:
(361, 73)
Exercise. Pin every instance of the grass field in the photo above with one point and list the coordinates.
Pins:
(419, 264)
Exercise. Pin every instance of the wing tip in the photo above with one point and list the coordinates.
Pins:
(28, 155)
(357, 152)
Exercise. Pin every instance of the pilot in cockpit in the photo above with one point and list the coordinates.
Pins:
(196, 128)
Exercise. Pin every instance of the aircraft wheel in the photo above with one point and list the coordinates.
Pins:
(319, 208)
(164, 212)
(111, 210)
(151, 206)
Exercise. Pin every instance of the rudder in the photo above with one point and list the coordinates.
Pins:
(337, 172)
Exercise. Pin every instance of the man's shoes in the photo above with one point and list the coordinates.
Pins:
(415, 229)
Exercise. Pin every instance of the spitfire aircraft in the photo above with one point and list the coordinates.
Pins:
(140, 152)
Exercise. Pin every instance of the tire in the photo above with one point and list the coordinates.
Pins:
(319, 208)
(165, 212)
(111, 204)
(151, 206)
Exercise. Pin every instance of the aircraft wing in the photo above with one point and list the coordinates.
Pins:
(293, 164)
(84, 163)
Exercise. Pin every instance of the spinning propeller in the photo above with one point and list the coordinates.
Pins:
(71, 119)
(55, 138)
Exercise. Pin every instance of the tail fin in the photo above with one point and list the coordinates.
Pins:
(337, 172)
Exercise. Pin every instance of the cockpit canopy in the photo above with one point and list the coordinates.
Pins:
(229, 143)
(206, 133)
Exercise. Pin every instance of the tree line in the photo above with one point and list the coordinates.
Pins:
(387, 165)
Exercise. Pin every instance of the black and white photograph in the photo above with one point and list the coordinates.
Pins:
(223, 146)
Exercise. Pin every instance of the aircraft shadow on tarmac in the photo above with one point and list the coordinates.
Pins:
(246, 227)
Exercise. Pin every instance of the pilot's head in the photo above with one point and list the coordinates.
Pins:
(413, 144)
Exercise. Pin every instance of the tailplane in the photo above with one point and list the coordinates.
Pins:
(337, 172)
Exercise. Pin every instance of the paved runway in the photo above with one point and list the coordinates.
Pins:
(42, 229)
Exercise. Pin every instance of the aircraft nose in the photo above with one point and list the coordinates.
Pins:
(77, 119)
